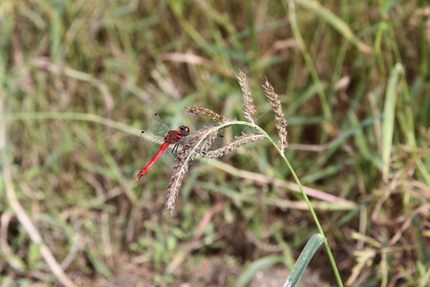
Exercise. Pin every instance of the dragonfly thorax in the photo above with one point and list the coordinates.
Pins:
(174, 136)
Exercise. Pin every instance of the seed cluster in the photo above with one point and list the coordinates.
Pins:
(200, 144)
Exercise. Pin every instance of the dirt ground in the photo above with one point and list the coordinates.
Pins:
(209, 271)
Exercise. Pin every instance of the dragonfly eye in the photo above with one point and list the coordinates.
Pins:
(184, 130)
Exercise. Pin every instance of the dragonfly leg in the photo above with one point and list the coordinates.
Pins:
(175, 150)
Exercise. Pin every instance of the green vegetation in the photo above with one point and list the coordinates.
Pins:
(80, 79)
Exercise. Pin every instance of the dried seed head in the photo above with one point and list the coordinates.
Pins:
(208, 113)
(190, 153)
(249, 111)
(179, 171)
(187, 155)
(199, 143)
(209, 135)
(281, 123)
(238, 141)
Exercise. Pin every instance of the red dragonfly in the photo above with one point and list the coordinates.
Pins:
(171, 137)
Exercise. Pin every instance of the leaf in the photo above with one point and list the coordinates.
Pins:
(305, 257)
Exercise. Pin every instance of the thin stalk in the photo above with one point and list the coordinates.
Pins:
(74, 117)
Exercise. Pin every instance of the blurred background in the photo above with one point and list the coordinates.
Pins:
(80, 79)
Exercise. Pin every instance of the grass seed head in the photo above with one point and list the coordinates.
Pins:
(208, 113)
(281, 123)
(249, 111)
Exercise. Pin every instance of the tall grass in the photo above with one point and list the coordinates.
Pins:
(80, 79)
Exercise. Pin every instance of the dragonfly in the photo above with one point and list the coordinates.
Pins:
(172, 137)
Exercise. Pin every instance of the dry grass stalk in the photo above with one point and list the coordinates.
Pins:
(199, 144)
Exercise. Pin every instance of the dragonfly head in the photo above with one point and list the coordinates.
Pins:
(184, 130)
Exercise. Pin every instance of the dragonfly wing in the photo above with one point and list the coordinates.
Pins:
(157, 127)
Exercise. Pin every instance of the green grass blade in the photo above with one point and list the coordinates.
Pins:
(388, 121)
(305, 257)
(336, 22)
